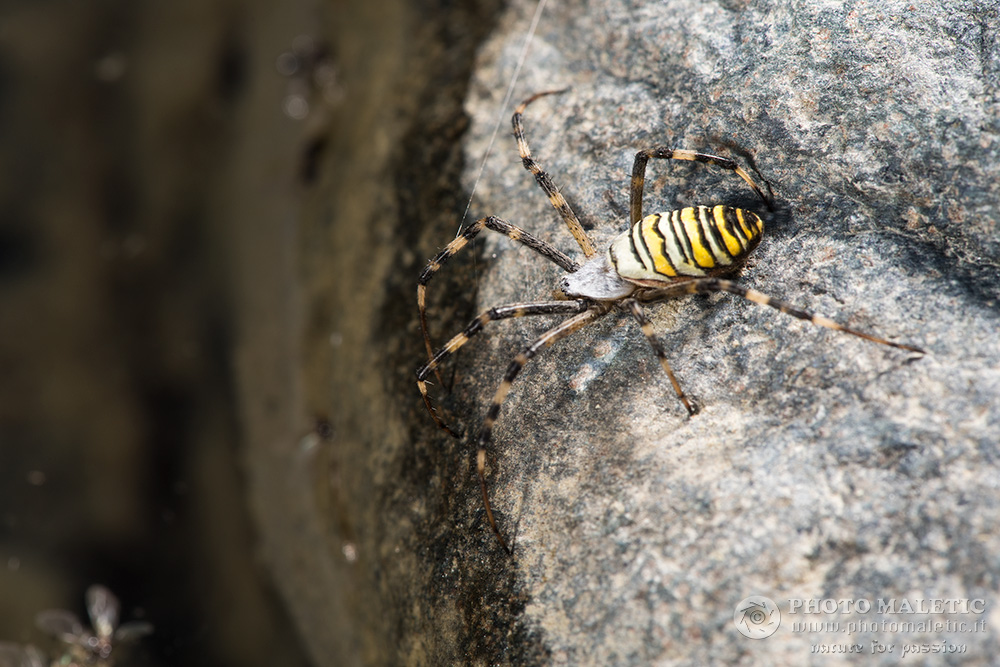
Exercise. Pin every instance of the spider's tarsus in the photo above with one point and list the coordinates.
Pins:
(481, 472)
(447, 429)
(503, 543)
(436, 417)
(525, 103)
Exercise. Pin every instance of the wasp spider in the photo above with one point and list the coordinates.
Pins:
(663, 255)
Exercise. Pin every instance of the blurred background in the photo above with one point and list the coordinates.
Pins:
(208, 215)
(212, 217)
(118, 432)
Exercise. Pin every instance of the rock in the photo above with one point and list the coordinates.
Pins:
(820, 466)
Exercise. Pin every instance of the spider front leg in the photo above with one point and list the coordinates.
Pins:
(545, 181)
(475, 326)
(639, 173)
(498, 225)
(550, 337)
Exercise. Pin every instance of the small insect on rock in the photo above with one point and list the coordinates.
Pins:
(664, 255)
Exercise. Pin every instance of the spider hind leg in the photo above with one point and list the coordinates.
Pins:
(661, 355)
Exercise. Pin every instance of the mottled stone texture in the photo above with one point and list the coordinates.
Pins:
(820, 466)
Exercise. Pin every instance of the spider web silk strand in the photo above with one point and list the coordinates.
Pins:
(522, 56)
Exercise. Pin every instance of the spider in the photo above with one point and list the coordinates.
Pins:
(664, 255)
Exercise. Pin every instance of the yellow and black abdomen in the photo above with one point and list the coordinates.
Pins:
(687, 243)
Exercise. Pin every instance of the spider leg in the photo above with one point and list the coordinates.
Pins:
(475, 326)
(551, 336)
(545, 182)
(719, 285)
(661, 354)
(498, 225)
(639, 173)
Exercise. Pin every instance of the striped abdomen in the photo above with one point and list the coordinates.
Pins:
(689, 242)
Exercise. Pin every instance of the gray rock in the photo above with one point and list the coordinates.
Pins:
(820, 466)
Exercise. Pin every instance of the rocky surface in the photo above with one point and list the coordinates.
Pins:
(820, 466)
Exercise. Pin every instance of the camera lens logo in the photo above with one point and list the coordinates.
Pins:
(757, 617)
